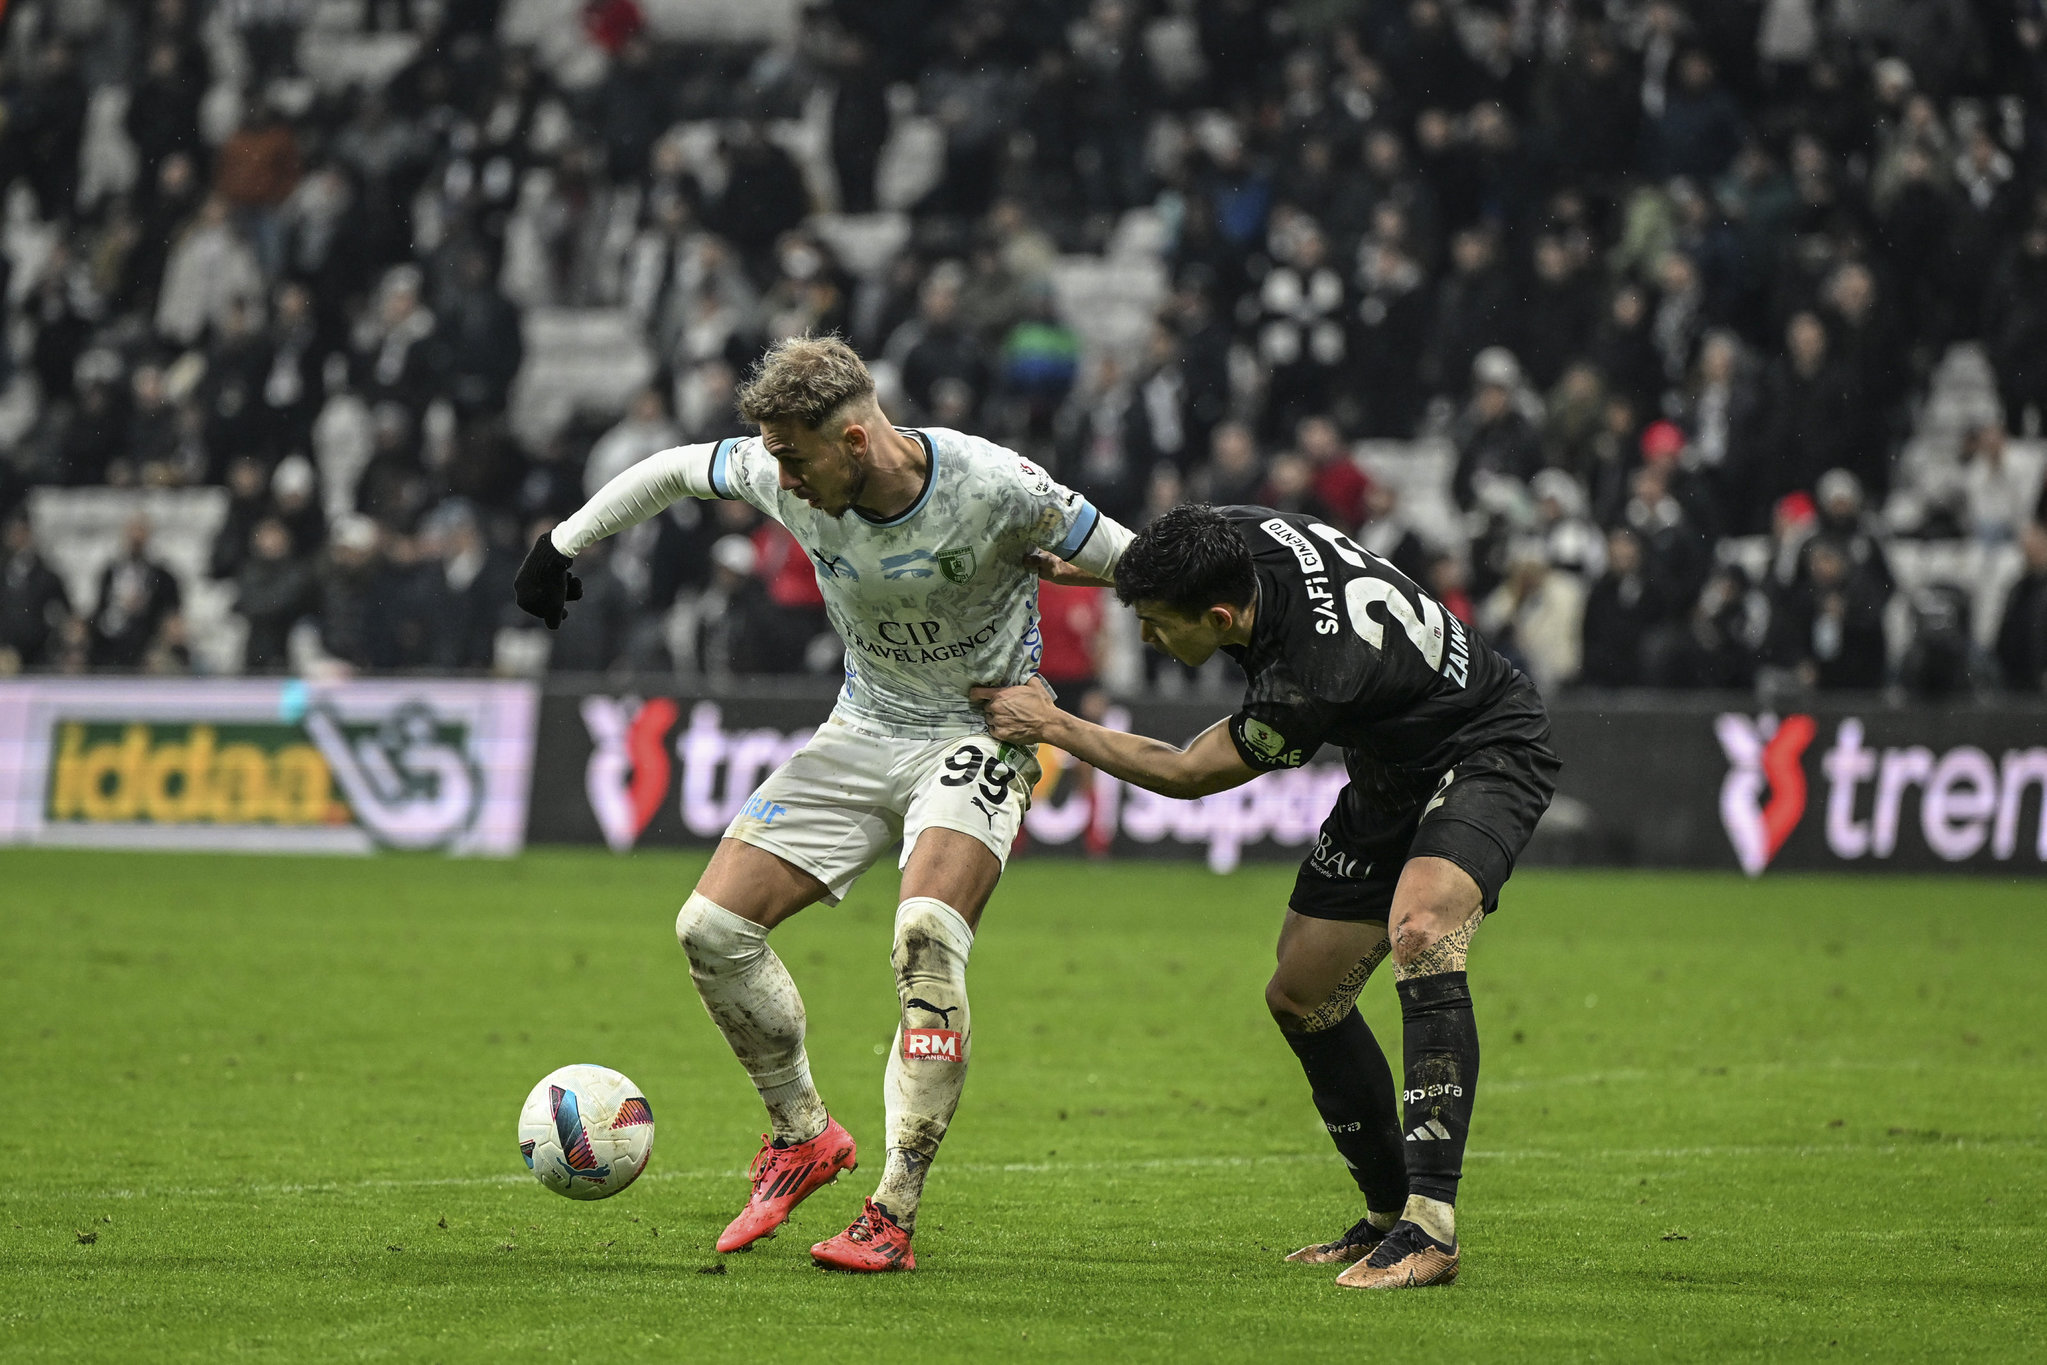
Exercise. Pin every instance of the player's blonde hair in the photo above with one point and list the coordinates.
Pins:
(804, 379)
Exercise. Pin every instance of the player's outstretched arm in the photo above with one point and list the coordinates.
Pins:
(1052, 569)
(1026, 715)
(545, 586)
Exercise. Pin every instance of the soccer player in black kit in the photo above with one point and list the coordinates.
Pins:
(1447, 749)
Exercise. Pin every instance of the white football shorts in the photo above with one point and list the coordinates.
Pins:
(841, 800)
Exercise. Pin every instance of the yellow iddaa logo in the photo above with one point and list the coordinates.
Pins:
(404, 778)
(191, 774)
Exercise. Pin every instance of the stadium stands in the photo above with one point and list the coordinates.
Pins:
(1677, 344)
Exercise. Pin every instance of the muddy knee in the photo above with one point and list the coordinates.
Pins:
(717, 941)
(1432, 942)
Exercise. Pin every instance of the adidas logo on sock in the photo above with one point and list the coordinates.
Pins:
(1432, 1131)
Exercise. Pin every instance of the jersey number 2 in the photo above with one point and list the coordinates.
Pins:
(1425, 629)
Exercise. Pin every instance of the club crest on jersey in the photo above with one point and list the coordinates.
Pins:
(931, 1045)
(956, 565)
(915, 564)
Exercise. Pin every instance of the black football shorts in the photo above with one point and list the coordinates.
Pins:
(1479, 816)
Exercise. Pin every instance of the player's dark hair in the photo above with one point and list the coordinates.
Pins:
(1191, 559)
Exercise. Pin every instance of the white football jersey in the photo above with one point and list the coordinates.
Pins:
(938, 599)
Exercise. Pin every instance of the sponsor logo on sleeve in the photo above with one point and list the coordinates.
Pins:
(1263, 738)
(1269, 743)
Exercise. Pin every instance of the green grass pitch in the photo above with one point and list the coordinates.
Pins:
(264, 1109)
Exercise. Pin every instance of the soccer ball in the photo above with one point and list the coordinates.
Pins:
(586, 1132)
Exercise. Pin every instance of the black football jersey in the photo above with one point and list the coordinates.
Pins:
(1347, 650)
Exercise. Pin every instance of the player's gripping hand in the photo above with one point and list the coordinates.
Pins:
(1052, 569)
(1017, 715)
(544, 584)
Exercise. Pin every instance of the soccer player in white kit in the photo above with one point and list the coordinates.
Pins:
(927, 545)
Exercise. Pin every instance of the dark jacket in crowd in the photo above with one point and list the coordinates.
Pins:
(1805, 423)
(273, 595)
(1620, 612)
(1697, 134)
(1506, 445)
(479, 347)
(356, 594)
(1832, 631)
(33, 605)
(2022, 634)
(1474, 309)
(594, 635)
(137, 596)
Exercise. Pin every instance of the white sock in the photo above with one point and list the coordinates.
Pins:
(1432, 1216)
(928, 1065)
(748, 994)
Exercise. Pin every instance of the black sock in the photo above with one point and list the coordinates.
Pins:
(1353, 1089)
(1440, 1049)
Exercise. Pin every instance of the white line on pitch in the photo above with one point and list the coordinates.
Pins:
(1604, 1154)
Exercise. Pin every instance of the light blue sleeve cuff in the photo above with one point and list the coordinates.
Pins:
(1083, 527)
(719, 460)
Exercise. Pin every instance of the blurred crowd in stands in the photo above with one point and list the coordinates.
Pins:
(1662, 275)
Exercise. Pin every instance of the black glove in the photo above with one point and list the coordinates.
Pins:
(544, 583)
